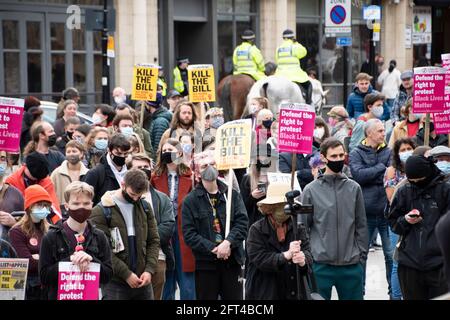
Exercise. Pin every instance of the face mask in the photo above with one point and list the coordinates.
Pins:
(210, 173)
(168, 157)
(73, 159)
(280, 216)
(267, 123)
(118, 161)
(444, 166)
(39, 214)
(217, 122)
(417, 116)
(332, 121)
(319, 132)
(96, 118)
(119, 99)
(69, 134)
(377, 112)
(422, 183)
(335, 166)
(252, 109)
(127, 197)
(2, 169)
(101, 144)
(187, 148)
(405, 155)
(127, 131)
(79, 140)
(260, 165)
(51, 140)
(147, 172)
(79, 215)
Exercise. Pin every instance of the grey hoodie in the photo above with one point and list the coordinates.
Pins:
(338, 228)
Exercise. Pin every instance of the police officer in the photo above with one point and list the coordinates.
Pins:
(162, 81)
(287, 57)
(247, 59)
(180, 76)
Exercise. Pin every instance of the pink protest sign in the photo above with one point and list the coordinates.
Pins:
(296, 128)
(429, 90)
(446, 65)
(76, 285)
(442, 122)
(11, 113)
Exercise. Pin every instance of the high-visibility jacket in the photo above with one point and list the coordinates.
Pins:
(178, 83)
(247, 59)
(163, 84)
(287, 58)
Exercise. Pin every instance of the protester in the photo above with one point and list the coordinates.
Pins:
(123, 123)
(355, 102)
(163, 211)
(390, 82)
(69, 171)
(188, 145)
(26, 236)
(32, 113)
(273, 251)
(407, 127)
(173, 98)
(405, 93)
(35, 171)
(434, 138)
(254, 106)
(75, 240)
(81, 133)
(12, 163)
(441, 154)
(172, 177)
(321, 133)
(442, 232)
(214, 118)
(414, 213)
(218, 258)
(70, 93)
(368, 163)
(44, 137)
(120, 96)
(263, 123)
(340, 124)
(109, 173)
(96, 146)
(103, 115)
(70, 125)
(70, 108)
(338, 256)
(135, 261)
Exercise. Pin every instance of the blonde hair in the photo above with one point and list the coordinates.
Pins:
(78, 187)
(262, 114)
(135, 141)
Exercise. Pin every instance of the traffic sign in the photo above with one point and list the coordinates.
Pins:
(372, 12)
(338, 17)
(344, 41)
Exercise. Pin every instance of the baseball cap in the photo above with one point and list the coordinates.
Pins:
(406, 75)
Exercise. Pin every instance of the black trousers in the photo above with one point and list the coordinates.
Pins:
(122, 291)
(223, 282)
(421, 285)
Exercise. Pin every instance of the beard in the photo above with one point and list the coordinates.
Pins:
(187, 123)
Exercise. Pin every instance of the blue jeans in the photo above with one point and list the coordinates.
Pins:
(185, 280)
(396, 293)
(380, 223)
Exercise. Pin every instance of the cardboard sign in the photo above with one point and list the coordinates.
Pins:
(296, 128)
(13, 278)
(201, 83)
(11, 113)
(76, 285)
(283, 178)
(145, 77)
(233, 145)
(429, 90)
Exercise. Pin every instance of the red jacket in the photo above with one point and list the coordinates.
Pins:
(16, 180)
(184, 187)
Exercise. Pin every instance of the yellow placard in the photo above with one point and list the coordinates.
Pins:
(13, 278)
(233, 145)
(110, 47)
(145, 77)
(201, 83)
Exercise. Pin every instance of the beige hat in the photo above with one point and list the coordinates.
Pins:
(276, 193)
(338, 111)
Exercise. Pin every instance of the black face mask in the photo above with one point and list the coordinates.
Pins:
(335, 166)
(51, 140)
(422, 183)
(147, 172)
(127, 197)
(69, 135)
(260, 165)
(119, 161)
(168, 157)
(267, 123)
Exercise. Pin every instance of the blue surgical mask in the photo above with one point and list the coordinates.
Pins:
(217, 122)
(2, 169)
(40, 213)
(187, 148)
(127, 131)
(444, 166)
(405, 155)
(101, 144)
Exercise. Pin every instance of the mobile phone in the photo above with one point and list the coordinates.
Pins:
(262, 187)
(18, 213)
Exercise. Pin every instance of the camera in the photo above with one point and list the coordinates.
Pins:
(294, 207)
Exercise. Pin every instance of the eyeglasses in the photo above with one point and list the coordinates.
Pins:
(80, 240)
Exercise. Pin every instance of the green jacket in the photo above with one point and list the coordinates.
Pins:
(147, 238)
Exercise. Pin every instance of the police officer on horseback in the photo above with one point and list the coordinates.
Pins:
(247, 58)
(287, 57)
(180, 76)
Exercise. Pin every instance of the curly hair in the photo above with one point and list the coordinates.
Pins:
(396, 162)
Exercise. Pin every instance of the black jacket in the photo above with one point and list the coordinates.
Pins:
(270, 276)
(304, 174)
(197, 225)
(250, 203)
(102, 179)
(440, 140)
(419, 248)
(55, 248)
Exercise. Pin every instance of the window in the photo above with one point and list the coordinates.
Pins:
(234, 16)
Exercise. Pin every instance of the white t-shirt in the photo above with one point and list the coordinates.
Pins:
(126, 209)
(391, 83)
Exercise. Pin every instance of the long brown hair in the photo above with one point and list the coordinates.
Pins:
(161, 168)
(36, 129)
(27, 225)
(176, 116)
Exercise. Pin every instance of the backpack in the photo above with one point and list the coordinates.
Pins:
(107, 212)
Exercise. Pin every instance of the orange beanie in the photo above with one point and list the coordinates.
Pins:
(35, 193)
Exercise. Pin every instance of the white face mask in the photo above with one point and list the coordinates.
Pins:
(96, 118)
(119, 99)
(252, 108)
(319, 132)
(378, 112)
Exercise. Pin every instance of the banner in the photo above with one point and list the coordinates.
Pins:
(11, 113)
(429, 90)
(76, 285)
(296, 128)
(233, 145)
(145, 77)
(201, 83)
(13, 278)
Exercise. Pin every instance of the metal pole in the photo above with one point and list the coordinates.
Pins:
(426, 141)
(345, 76)
(105, 70)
